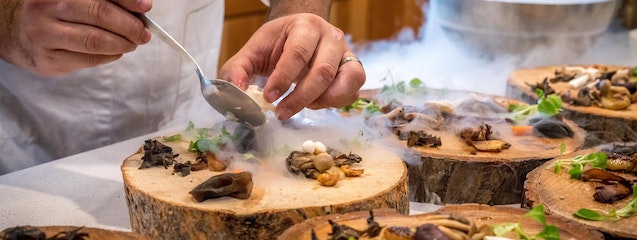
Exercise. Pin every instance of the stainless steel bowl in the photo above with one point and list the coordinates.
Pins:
(495, 27)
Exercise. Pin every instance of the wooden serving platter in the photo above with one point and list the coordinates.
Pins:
(562, 196)
(93, 233)
(457, 176)
(610, 125)
(452, 173)
(481, 214)
(161, 207)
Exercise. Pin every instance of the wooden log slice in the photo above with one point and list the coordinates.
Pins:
(478, 213)
(452, 173)
(93, 233)
(603, 125)
(562, 196)
(161, 207)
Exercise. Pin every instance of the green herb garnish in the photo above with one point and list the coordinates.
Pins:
(547, 106)
(368, 107)
(202, 139)
(416, 86)
(549, 232)
(173, 138)
(575, 165)
(598, 215)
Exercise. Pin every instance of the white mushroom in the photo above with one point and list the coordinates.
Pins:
(319, 147)
(583, 78)
(309, 146)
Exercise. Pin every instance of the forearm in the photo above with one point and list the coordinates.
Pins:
(279, 8)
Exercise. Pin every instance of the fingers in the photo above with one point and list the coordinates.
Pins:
(73, 61)
(75, 33)
(140, 6)
(106, 16)
(319, 77)
(85, 39)
(235, 72)
(344, 90)
(298, 51)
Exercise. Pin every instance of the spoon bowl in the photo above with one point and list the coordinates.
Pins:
(222, 95)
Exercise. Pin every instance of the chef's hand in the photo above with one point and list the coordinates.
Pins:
(54, 37)
(303, 49)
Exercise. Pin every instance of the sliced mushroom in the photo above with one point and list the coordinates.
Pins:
(157, 154)
(429, 231)
(491, 145)
(610, 193)
(236, 185)
(613, 97)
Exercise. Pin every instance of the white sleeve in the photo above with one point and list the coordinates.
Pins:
(266, 2)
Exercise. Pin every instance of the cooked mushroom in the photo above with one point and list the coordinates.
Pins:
(323, 161)
(397, 232)
(157, 154)
(613, 97)
(343, 231)
(490, 145)
(301, 162)
(236, 185)
(621, 76)
(328, 179)
(610, 187)
(24, 233)
(214, 163)
(347, 159)
(420, 138)
(429, 231)
(609, 193)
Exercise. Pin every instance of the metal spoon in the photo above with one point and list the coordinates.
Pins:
(222, 95)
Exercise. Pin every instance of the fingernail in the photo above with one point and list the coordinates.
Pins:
(144, 5)
(273, 96)
(146, 36)
(283, 113)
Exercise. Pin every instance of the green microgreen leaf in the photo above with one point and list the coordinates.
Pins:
(415, 83)
(546, 106)
(549, 232)
(588, 214)
(537, 214)
(502, 229)
(562, 148)
(173, 138)
(576, 171)
(203, 139)
(400, 87)
(630, 208)
(576, 165)
(368, 107)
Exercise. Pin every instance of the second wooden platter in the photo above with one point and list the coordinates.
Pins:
(478, 213)
(562, 196)
(603, 125)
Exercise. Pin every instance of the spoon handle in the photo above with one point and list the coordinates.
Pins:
(164, 36)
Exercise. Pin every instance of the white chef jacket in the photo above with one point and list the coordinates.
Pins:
(45, 118)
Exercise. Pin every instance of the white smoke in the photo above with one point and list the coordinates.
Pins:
(441, 63)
